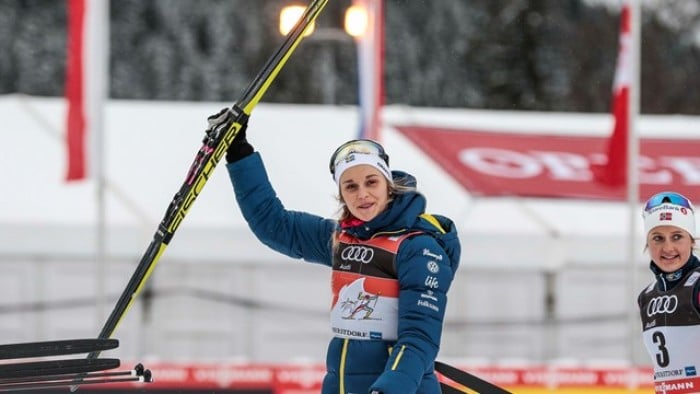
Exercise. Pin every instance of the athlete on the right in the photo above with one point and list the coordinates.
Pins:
(670, 306)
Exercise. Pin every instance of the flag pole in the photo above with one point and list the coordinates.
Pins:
(633, 173)
(97, 85)
(370, 60)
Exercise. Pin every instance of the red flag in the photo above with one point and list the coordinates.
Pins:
(614, 173)
(76, 131)
(370, 55)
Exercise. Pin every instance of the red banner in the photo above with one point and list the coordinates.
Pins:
(297, 379)
(223, 377)
(539, 165)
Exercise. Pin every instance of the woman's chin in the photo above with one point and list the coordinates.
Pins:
(365, 216)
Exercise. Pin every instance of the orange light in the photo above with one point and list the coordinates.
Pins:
(356, 21)
(289, 16)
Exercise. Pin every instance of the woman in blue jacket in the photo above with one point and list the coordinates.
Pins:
(392, 265)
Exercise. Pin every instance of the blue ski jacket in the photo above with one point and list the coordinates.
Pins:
(425, 263)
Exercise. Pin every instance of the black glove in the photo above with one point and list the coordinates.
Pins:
(239, 147)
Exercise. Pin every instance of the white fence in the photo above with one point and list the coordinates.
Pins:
(277, 310)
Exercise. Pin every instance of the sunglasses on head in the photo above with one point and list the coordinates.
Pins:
(668, 198)
(356, 146)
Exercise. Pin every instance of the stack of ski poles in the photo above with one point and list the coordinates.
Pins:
(48, 370)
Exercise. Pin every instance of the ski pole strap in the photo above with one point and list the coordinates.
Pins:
(221, 121)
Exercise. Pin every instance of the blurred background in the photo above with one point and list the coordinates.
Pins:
(547, 55)
(549, 272)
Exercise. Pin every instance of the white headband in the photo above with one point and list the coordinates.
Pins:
(357, 158)
(668, 214)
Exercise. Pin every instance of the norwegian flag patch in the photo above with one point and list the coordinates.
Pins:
(665, 216)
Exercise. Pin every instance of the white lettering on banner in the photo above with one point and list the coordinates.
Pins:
(568, 166)
(224, 377)
(174, 374)
(500, 162)
(559, 377)
(534, 377)
(688, 167)
(506, 378)
(616, 378)
(576, 377)
(649, 173)
(565, 166)
(305, 377)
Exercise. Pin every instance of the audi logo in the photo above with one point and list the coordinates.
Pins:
(361, 254)
(663, 304)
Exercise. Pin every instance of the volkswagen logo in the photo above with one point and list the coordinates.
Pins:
(361, 254)
(433, 267)
(663, 304)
